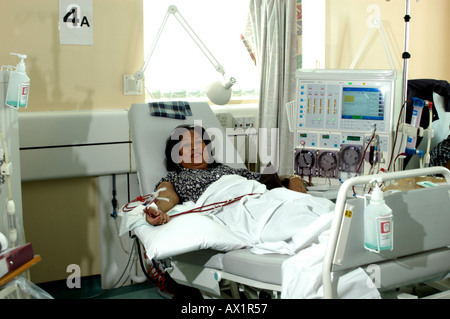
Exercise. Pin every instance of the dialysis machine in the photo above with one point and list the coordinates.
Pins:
(344, 123)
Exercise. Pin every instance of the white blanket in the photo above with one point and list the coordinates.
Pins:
(286, 222)
(277, 216)
(302, 276)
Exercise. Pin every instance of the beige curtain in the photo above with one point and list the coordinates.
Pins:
(273, 29)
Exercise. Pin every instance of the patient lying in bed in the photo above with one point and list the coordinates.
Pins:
(192, 169)
(283, 219)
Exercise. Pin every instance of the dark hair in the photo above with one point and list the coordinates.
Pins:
(175, 138)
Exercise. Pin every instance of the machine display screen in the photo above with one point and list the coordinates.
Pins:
(354, 138)
(362, 104)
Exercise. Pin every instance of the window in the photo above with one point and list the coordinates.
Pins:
(313, 34)
(178, 69)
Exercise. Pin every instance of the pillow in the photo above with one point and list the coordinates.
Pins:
(186, 233)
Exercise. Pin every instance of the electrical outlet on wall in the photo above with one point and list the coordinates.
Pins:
(238, 122)
(225, 119)
(244, 122)
(249, 121)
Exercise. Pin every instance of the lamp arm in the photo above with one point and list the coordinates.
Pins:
(174, 11)
(197, 40)
(138, 75)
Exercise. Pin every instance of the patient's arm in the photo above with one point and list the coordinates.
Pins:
(170, 194)
(155, 216)
(296, 184)
(158, 217)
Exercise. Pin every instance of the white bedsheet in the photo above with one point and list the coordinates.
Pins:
(286, 222)
(275, 216)
(302, 276)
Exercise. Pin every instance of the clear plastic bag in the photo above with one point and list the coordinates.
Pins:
(20, 288)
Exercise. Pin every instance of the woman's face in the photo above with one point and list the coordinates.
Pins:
(193, 151)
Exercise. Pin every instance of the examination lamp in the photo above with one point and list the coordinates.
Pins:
(219, 92)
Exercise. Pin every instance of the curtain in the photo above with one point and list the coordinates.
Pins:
(271, 33)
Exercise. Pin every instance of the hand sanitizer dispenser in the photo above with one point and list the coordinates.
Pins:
(378, 223)
(18, 85)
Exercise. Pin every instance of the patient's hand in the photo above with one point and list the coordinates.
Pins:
(296, 184)
(155, 217)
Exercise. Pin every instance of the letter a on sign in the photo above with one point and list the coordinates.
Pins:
(76, 22)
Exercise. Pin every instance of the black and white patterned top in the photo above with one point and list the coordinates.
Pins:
(191, 183)
(440, 155)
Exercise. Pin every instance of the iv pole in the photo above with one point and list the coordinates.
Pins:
(406, 56)
(378, 24)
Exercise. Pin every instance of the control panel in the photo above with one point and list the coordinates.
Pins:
(344, 121)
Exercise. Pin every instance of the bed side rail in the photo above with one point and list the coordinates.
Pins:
(330, 259)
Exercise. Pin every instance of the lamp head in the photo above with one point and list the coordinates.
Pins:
(219, 92)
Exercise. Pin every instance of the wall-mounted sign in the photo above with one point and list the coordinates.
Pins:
(76, 22)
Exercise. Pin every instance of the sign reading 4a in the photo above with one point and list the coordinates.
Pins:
(73, 17)
(76, 22)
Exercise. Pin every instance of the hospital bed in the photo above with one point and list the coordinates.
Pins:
(220, 266)
(421, 239)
